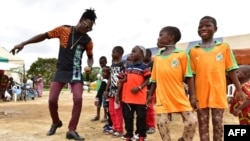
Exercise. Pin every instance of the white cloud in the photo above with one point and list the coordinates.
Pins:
(125, 22)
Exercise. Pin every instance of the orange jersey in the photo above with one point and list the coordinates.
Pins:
(136, 74)
(210, 66)
(168, 73)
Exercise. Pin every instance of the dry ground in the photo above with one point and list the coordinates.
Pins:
(30, 120)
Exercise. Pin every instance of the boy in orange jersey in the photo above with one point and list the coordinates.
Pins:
(242, 108)
(134, 93)
(170, 69)
(210, 60)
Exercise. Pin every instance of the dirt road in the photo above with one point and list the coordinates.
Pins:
(30, 121)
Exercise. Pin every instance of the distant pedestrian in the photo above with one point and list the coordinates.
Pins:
(39, 82)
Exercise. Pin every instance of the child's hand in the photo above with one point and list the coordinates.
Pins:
(105, 94)
(135, 90)
(96, 103)
(236, 112)
(149, 100)
(124, 79)
(117, 99)
(194, 103)
(241, 96)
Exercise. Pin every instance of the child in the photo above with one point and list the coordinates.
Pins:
(128, 61)
(108, 127)
(242, 108)
(170, 69)
(135, 92)
(102, 88)
(210, 61)
(101, 100)
(115, 109)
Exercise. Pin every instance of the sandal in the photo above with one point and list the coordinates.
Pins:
(95, 119)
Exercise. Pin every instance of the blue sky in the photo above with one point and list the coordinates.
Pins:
(120, 22)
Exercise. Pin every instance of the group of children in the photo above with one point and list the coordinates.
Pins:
(141, 85)
(123, 102)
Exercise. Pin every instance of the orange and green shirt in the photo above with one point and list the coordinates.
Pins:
(209, 66)
(168, 73)
(136, 74)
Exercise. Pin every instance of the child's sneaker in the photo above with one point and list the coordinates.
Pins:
(124, 137)
(107, 128)
(141, 139)
(129, 139)
(136, 136)
(111, 131)
(117, 134)
(151, 130)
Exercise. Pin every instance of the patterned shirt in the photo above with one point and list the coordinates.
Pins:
(116, 69)
(244, 116)
(72, 46)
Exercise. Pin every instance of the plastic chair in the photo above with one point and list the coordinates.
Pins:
(16, 90)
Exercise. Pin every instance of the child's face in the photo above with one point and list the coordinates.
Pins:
(128, 60)
(115, 54)
(105, 73)
(163, 39)
(136, 54)
(102, 63)
(206, 29)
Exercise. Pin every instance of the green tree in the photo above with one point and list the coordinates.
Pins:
(46, 67)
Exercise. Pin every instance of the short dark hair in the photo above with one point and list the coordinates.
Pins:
(173, 31)
(213, 20)
(119, 49)
(106, 69)
(103, 58)
(89, 14)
